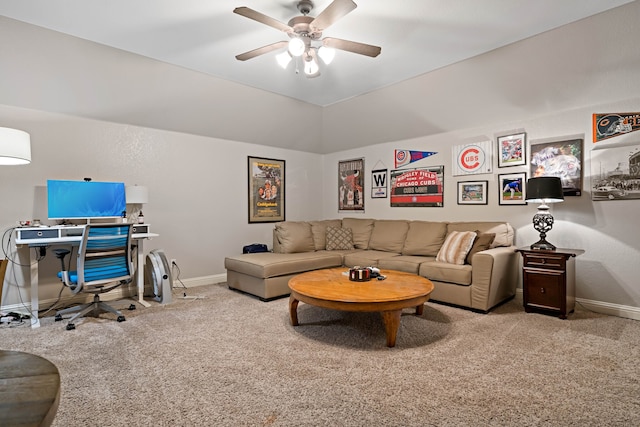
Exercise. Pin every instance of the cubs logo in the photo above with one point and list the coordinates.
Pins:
(471, 158)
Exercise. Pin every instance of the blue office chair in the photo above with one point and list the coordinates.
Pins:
(103, 264)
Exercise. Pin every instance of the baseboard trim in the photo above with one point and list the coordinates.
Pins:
(607, 308)
(201, 281)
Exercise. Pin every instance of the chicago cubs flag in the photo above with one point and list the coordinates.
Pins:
(404, 157)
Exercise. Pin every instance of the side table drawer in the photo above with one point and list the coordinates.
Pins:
(544, 261)
(544, 290)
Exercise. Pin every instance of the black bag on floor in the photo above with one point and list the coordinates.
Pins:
(254, 248)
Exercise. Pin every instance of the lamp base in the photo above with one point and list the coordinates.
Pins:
(543, 222)
(543, 245)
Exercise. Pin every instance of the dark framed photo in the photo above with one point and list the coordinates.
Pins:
(560, 158)
(266, 188)
(351, 185)
(616, 173)
(512, 150)
(512, 188)
(472, 192)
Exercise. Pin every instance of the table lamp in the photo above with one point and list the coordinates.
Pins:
(136, 195)
(544, 190)
(15, 147)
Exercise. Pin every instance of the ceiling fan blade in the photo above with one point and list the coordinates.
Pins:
(262, 18)
(261, 50)
(331, 14)
(355, 47)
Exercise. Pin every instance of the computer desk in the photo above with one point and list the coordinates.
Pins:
(46, 236)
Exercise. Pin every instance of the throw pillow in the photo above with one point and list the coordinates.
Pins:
(482, 243)
(294, 237)
(339, 239)
(456, 246)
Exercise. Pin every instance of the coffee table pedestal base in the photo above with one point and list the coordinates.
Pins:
(390, 318)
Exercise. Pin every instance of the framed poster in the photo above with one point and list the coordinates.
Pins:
(512, 188)
(562, 159)
(472, 192)
(351, 185)
(512, 149)
(266, 189)
(420, 187)
(615, 173)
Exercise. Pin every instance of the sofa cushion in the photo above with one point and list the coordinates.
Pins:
(424, 238)
(504, 231)
(446, 272)
(456, 246)
(268, 264)
(407, 263)
(319, 231)
(361, 230)
(294, 237)
(388, 235)
(339, 238)
(368, 258)
(481, 243)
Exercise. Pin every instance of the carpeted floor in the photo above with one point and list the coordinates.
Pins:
(232, 360)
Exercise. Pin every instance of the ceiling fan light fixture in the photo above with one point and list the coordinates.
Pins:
(311, 67)
(326, 54)
(283, 59)
(296, 46)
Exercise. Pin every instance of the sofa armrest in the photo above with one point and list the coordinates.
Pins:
(494, 276)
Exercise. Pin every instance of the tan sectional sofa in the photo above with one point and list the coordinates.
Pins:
(479, 280)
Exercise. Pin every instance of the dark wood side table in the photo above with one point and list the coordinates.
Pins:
(548, 280)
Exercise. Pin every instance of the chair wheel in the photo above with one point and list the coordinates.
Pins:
(132, 307)
(121, 319)
(70, 326)
(58, 317)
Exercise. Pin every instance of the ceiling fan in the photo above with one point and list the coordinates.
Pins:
(305, 33)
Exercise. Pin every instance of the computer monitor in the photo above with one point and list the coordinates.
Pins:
(85, 199)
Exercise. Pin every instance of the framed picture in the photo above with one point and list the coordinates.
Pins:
(562, 159)
(472, 159)
(615, 173)
(266, 189)
(472, 192)
(512, 149)
(512, 188)
(420, 187)
(351, 185)
(379, 184)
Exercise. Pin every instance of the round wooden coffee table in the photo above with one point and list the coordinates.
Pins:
(30, 389)
(331, 288)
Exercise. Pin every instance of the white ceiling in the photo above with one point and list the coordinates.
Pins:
(416, 36)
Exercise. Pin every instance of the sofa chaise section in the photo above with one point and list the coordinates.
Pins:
(266, 275)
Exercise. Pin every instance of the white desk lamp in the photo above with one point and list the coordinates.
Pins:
(136, 195)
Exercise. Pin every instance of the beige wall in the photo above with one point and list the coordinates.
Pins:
(590, 62)
(197, 188)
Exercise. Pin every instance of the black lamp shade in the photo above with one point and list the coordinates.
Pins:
(544, 189)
